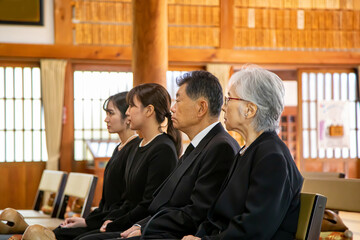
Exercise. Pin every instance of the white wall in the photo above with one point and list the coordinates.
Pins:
(10, 33)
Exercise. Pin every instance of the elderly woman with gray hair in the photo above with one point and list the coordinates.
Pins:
(260, 199)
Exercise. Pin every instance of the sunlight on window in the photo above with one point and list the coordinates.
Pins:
(91, 89)
(328, 88)
(344, 86)
(22, 129)
(320, 86)
(352, 86)
(306, 144)
(171, 77)
(312, 86)
(305, 116)
(321, 153)
(336, 87)
(340, 86)
(313, 115)
(329, 153)
(313, 146)
(304, 81)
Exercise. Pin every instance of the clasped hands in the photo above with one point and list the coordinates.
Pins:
(73, 222)
(190, 237)
(134, 231)
(131, 232)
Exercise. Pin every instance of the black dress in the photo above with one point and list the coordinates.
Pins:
(112, 195)
(146, 169)
(145, 172)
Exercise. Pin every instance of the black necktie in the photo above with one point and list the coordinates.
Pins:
(187, 152)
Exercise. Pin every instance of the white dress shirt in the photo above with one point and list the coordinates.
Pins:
(197, 139)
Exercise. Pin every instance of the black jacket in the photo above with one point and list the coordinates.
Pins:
(194, 185)
(260, 198)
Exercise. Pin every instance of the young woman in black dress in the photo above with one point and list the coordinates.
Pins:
(114, 182)
(153, 160)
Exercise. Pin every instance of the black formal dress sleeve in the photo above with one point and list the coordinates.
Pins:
(269, 197)
(184, 220)
(160, 163)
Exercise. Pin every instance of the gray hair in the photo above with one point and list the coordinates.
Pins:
(266, 90)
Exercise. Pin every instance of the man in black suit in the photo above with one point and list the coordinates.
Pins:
(260, 198)
(182, 202)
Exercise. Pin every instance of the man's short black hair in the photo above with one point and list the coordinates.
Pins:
(203, 84)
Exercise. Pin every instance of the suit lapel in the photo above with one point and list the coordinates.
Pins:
(168, 187)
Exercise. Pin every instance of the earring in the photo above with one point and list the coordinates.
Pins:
(245, 114)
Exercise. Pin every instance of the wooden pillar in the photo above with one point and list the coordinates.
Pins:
(150, 46)
(227, 28)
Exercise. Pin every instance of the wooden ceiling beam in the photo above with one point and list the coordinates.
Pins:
(182, 56)
(65, 52)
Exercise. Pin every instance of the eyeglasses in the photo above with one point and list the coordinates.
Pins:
(227, 99)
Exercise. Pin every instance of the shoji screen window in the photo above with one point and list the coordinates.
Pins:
(322, 86)
(91, 89)
(172, 87)
(22, 129)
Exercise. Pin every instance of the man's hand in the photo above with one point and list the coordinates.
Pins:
(103, 227)
(190, 237)
(73, 222)
(128, 233)
(135, 233)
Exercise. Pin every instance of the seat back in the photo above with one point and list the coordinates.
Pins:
(323, 175)
(312, 207)
(342, 194)
(79, 185)
(51, 181)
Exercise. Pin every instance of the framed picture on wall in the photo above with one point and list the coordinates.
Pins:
(23, 12)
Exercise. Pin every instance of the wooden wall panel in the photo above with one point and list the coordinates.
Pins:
(19, 183)
(338, 26)
(312, 166)
(349, 167)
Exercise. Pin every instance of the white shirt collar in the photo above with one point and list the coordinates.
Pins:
(197, 139)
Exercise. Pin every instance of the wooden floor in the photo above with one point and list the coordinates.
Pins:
(352, 221)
